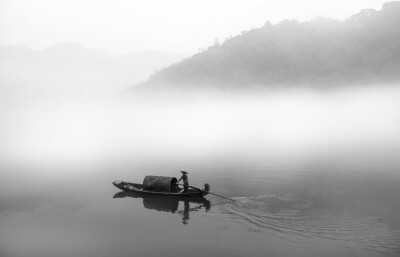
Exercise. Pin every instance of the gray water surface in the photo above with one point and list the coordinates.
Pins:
(306, 207)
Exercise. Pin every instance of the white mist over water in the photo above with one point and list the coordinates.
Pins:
(274, 123)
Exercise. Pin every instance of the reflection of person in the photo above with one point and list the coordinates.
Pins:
(186, 210)
(185, 180)
(185, 213)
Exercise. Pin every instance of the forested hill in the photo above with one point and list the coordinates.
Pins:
(364, 48)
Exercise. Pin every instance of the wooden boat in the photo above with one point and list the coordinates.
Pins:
(159, 185)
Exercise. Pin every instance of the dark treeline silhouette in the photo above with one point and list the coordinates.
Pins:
(364, 48)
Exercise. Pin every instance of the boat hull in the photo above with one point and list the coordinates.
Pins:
(138, 188)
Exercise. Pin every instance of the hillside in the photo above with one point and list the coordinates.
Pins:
(365, 48)
(69, 70)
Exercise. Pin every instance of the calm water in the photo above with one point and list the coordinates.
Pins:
(303, 207)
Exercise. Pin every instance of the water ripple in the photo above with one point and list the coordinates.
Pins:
(291, 215)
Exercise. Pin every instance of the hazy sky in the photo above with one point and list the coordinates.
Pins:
(179, 26)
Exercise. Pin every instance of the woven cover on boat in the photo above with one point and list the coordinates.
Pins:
(159, 183)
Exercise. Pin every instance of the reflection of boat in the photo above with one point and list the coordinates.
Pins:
(158, 185)
(164, 203)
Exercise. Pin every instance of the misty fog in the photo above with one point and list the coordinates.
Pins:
(70, 72)
(292, 129)
(278, 123)
(69, 103)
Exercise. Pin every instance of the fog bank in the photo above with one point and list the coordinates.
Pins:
(280, 123)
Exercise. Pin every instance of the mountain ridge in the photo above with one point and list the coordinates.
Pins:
(365, 48)
(70, 70)
(75, 48)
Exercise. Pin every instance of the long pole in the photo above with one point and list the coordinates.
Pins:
(211, 193)
(233, 200)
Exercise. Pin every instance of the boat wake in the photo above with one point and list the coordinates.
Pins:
(293, 216)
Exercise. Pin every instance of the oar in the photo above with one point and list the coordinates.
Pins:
(210, 193)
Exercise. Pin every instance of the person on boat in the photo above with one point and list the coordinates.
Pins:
(185, 180)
